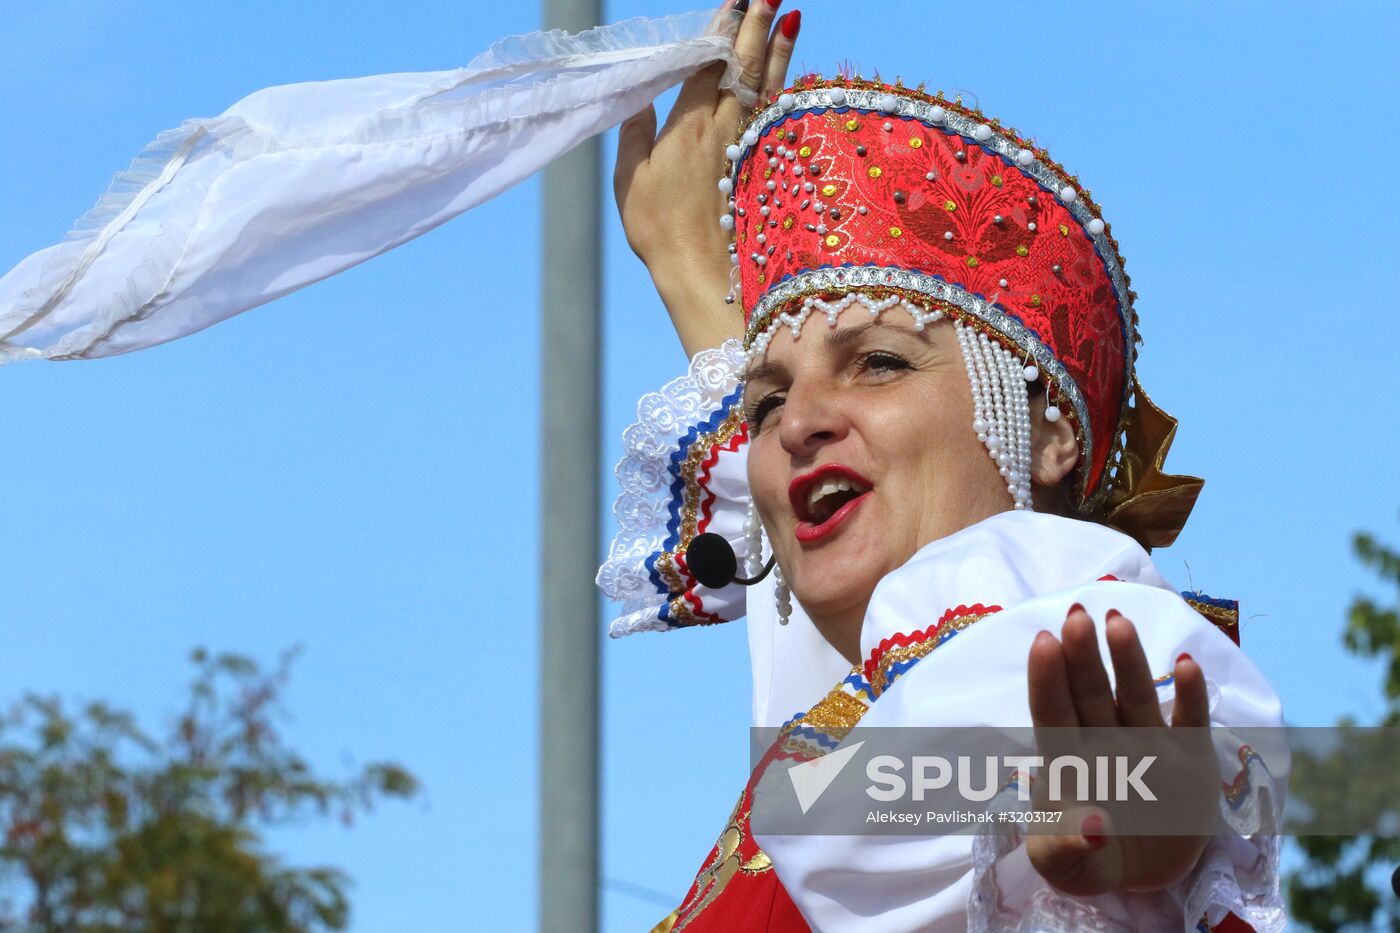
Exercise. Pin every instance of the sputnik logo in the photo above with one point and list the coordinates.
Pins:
(811, 778)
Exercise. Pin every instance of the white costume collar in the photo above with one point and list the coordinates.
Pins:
(1002, 560)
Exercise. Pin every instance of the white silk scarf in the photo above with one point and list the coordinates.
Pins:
(294, 184)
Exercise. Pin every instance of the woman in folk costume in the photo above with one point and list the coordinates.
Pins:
(927, 413)
(930, 419)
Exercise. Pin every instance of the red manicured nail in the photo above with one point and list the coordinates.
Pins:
(1113, 614)
(1184, 657)
(774, 3)
(791, 23)
(1077, 607)
(1093, 829)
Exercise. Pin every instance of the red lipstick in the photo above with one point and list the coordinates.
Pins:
(813, 526)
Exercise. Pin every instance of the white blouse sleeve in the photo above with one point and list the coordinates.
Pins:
(986, 883)
(1238, 872)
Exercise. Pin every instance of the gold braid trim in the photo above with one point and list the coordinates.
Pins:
(835, 714)
(920, 649)
(1216, 615)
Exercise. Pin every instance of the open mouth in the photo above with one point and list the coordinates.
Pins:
(823, 498)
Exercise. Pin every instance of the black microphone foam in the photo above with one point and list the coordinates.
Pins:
(711, 560)
(1395, 882)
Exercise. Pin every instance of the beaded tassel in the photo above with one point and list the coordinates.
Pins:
(783, 595)
(1000, 409)
(753, 536)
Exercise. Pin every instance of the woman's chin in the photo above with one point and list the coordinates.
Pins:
(835, 588)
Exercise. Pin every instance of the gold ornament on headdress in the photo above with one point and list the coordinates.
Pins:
(1146, 503)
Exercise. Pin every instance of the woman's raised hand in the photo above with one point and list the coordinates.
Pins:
(1070, 690)
(666, 184)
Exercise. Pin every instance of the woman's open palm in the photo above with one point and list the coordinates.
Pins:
(1070, 690)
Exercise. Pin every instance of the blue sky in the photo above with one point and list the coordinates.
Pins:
(327, 470)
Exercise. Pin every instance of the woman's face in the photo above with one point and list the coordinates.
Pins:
(862, 451)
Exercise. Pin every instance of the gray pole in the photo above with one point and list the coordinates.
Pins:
(569, 627)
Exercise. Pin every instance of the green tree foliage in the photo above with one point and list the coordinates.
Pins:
(109, 829)
(1344, 884)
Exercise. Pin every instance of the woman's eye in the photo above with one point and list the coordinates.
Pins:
(757, 412)
(882, 362)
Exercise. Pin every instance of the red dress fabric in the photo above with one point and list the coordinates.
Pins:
(737, 890)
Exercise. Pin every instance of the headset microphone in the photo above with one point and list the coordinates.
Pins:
(712, 561)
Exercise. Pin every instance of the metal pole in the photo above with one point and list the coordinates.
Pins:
(569, 627)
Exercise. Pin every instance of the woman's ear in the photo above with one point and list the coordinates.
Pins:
(1054, 448)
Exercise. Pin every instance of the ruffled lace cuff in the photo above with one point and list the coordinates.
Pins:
(682, 473)
(1238, 873)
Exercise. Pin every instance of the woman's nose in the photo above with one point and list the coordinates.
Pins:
(813, 416)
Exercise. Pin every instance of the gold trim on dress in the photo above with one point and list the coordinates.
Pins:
(901, 653)
(836, 714)
(667, 924)
(1219, 616)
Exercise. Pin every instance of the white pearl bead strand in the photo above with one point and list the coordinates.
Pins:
(1001, 412)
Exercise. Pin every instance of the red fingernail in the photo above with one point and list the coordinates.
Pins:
(791, 23)
(1093, 829)
(1184, 657)
(1113, 613)
(1077, 607)
(774, 3)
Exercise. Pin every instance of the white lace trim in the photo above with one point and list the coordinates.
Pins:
(1238, 873)
(645, 477)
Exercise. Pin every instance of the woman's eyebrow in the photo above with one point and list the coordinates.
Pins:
(764, 370)
(849, 335)
(833, 339)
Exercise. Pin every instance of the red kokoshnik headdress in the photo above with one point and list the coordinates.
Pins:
(846, 185)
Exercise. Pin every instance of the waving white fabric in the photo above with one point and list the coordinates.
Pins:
(1033, 567)
(297, 183)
